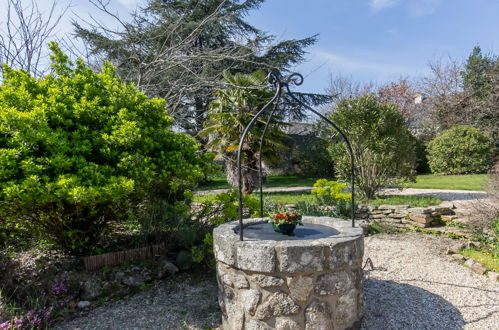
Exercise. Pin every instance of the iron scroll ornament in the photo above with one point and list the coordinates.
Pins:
(282, 85)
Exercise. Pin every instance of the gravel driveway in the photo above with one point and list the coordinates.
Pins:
(413, 285)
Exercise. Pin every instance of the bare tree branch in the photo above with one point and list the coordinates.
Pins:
(25, 33)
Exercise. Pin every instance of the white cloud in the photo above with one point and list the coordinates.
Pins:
(377, 68)
(423, 7)
(382, 4)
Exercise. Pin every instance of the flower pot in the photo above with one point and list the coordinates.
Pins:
(285, 228)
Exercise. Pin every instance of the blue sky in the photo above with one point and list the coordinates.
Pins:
(368, 40)
(379, 40)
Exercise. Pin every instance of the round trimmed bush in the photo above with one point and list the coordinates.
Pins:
(460, 150)
(80, 148)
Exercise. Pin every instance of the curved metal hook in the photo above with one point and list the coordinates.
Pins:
(278, 83)
(274, 80)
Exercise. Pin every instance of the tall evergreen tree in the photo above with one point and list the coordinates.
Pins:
(478, 76)
(178, 50)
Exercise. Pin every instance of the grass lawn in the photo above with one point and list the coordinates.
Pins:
(295, 197)
(220, 182)
(411, 200)
(452, 182)
(426, 181)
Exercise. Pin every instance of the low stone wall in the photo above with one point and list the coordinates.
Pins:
(403, 214)
(290, 284)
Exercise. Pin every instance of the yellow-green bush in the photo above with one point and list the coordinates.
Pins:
(80, 148)
(329, 191)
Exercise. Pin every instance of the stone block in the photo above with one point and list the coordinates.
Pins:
(425, 220)
(278, 304)
(266, 281)
(346, 308)
(250, 299)
(478, 268)
(398, 215)
(307, 257)
(449, 217)
(258, 257)
(377, 216)
(223, 248)
(419, 210)
(318, 316)
(256, 325)
(229, 305)
(459, 257)
(282, 323)
(300, 287)
(346, 254)
(333, 283)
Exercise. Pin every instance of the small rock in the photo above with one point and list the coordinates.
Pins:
(166, 267)
(447, 204)
(83, 304)
(454, 249)
(493, 276)
(92, 288)
(479, 269)
(459, 257)
(470, 262)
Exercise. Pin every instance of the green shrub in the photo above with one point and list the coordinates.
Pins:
(328, 192)
(80, 148)
(460, 150)
(382, 145)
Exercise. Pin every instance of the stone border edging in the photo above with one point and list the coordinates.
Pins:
(290, 256)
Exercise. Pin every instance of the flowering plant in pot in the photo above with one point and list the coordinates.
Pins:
(285, 222)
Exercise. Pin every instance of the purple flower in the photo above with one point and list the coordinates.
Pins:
(5, 325)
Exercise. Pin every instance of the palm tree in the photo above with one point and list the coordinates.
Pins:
(229, 113)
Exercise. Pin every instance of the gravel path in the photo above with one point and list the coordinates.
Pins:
(443, 194)
(413, 285)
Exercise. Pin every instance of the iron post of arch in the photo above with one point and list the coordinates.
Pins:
(281, 85)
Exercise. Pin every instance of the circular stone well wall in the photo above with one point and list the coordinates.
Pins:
(311, 281)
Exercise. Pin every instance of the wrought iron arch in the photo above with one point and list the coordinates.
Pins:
(282, 85)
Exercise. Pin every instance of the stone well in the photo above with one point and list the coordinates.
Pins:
(312, 280)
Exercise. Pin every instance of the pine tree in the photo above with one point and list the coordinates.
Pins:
(179, 49)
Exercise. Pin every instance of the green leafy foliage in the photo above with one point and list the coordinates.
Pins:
(382, 145)
(211, 212)
(229, 113)
(80, 148)
(327, 192)
(460, 150)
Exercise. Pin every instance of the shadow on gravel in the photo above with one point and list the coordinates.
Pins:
(392, 305)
